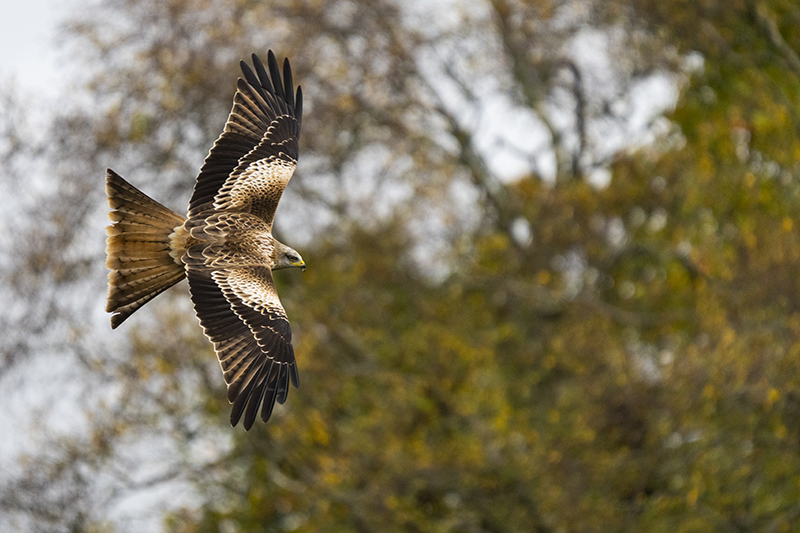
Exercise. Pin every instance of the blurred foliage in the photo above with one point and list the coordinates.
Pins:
(562, 357)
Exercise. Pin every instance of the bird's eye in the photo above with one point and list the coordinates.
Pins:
(292, 258)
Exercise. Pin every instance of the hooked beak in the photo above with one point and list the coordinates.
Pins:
(301, 265)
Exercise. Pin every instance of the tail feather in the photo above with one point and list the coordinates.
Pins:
(137, 286)
(137, 276)
(138, 244)
(114, 263)
(138, 249)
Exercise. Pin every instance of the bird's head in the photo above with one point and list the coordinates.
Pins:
(289, 258)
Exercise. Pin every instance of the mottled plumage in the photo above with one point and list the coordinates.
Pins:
(225, 245)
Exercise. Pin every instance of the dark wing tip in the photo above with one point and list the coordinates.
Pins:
(236, 415)
(249, 75)
(298, 107)
(288, 83)
(282, 384)
(272, 394)
(239, 404)
(264, 394)
(262, 75)
(252, 407)
(269, 79)
(275, 74)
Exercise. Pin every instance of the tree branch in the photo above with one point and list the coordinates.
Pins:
(767, 23)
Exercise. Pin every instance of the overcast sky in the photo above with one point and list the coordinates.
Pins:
(28, 52)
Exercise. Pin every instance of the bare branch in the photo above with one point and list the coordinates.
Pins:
(766, 21)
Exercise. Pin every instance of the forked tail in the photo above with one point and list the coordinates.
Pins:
(138, 248)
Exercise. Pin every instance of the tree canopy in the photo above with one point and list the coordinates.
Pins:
(526, 307)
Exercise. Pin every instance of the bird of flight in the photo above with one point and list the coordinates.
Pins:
(224, 246)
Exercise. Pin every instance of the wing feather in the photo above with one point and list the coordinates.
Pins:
(257, 183)
(251, 78)
(276, 79)
(264, 122)
(264, 77)
(245, 398)
(287, 81)
(241, 314)
(298, 107)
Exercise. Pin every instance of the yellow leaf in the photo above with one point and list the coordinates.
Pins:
(708, 391)
(772, 396)
(691, 497)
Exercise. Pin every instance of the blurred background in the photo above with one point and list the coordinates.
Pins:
(552, 268)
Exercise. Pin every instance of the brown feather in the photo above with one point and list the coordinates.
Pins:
(138, 249)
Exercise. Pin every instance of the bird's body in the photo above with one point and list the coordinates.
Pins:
(225, 245)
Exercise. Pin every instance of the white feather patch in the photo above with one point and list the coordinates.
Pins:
(256, 291)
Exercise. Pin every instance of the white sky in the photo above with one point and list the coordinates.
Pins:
(28, 52)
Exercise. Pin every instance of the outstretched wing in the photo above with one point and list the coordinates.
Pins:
(240, 312)
(250, 164)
